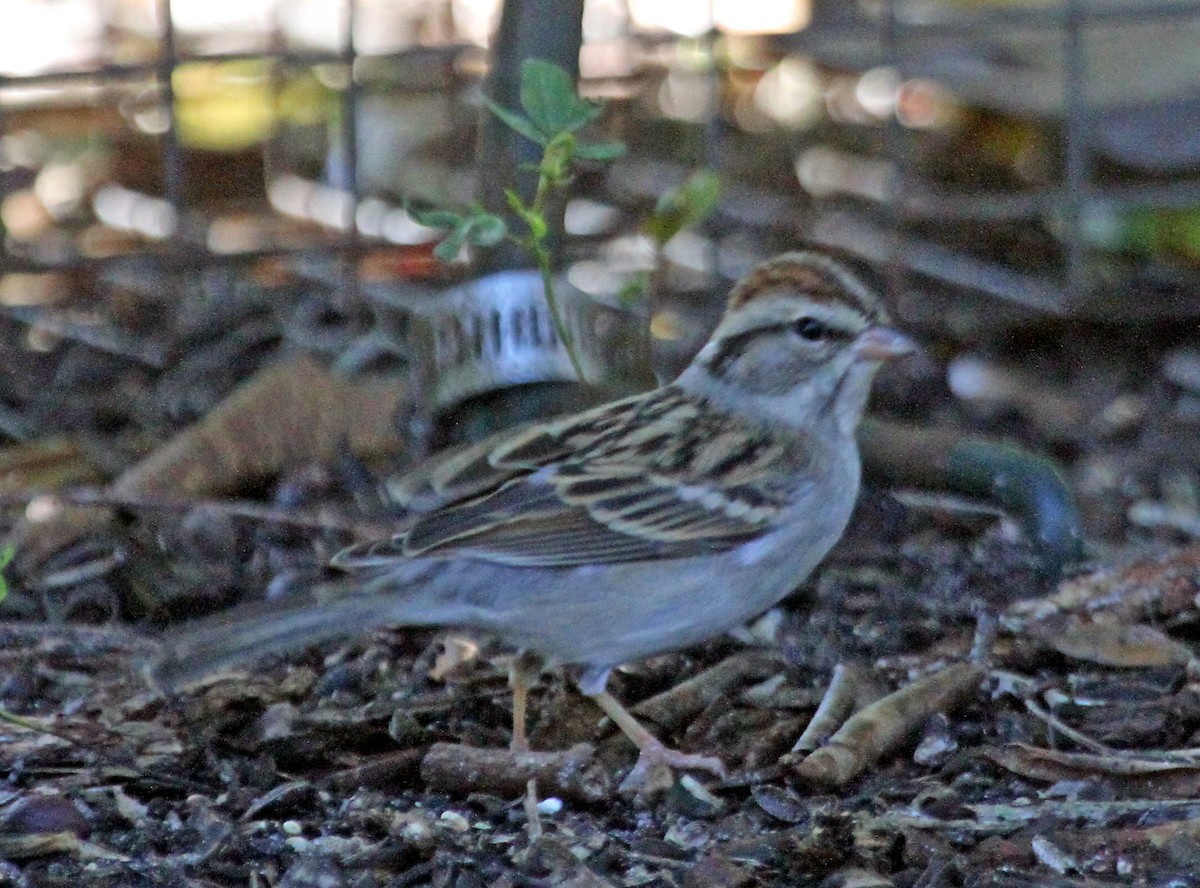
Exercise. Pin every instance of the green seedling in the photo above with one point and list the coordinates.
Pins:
(553, 114)
(683, 207)
(6, 557)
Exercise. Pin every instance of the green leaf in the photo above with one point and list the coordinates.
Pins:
(698, 194)
(515, 203)
(602, 151)
(6, 557)
(448, 249)
(435, 218)
(684, 207)
(516, 122)
(486, 230)
(548, 97)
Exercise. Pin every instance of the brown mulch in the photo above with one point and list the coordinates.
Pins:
(1011, 731)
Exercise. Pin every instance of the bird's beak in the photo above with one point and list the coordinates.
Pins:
(882, 344)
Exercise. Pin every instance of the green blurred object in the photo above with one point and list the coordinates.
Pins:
(6, 557)
(232, 106)
(684, 207)
(1028, 486)
(1164, 232)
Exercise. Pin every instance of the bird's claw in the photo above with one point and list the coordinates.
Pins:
(656, 764)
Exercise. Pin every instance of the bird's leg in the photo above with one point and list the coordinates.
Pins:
(521, 674)
(653, 754)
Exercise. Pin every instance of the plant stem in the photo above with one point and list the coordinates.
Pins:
(537, 245)
(543, 262)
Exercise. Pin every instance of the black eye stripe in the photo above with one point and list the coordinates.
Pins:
(733, 347)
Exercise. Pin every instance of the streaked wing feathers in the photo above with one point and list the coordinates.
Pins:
(464, 472)
(605, 487)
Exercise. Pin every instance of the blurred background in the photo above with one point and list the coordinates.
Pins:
(1043, 153)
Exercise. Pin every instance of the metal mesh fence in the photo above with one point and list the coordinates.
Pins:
(1042, 153)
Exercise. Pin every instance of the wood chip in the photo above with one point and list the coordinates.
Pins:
(881, 727)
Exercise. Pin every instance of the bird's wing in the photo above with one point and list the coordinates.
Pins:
(474, 470)
(660, 477)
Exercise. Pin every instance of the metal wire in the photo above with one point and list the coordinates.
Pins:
(898, 29)
(899, 35)
(186, 246)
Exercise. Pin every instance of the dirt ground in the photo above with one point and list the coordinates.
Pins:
(1046, 731)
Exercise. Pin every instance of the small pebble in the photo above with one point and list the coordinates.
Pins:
(937, 742)
(765, 630)
(688, 834)
(415, 831)
(1123, 413)
(689, 797)
(550, 806)
(291, 827)
(1050, 855)
(44, 813)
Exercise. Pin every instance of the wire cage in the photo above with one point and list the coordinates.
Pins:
(1043, 154)
(195, 132)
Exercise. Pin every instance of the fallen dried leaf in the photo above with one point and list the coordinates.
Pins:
(290, 413)
(458, 655)
(1112, 644)
(1133, 773)
(1002, 818)
(842, 695)
(1156, 586)
(858, 878)
(45, 462)
(1050, 855)
(48, 844)
(674, 707)
(881, 727)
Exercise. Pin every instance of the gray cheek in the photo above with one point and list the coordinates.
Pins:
(775, 374)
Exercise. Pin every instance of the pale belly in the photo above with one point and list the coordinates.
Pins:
(612, 614)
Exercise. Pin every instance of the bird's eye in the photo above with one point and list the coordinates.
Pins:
(810, 329)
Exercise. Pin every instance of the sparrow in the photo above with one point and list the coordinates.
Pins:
(643, 525)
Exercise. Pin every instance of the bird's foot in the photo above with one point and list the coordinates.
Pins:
(657, 763)
(653, 771)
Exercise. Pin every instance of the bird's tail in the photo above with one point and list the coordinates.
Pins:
(330, 610)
